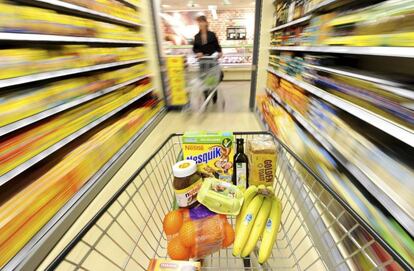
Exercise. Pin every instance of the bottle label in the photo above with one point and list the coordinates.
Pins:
(241, 175)
(186, 197)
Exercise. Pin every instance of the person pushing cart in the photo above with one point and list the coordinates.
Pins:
(206, 46)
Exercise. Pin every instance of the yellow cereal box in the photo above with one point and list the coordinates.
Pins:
(212, 151)
(164, 265)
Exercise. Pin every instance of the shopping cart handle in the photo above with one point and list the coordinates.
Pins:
(208, 57)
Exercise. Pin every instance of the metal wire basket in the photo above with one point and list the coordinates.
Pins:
(318, 231)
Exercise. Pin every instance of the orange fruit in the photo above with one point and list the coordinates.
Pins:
(212, 231)
(228, 235)
(186, 214)
(224, 219)
(193, 252)
(177, 251)
(172, 222)
(188, 234)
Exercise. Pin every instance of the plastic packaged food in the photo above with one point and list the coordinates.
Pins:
(164, 264)
(187, 182)
(220, 197)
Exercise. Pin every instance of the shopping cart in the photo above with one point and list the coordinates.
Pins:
(318, 231)
(204, 83)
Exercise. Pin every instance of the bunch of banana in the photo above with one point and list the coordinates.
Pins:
(259, 217)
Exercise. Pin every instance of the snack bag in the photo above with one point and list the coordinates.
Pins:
(212, 151)
(261, 152)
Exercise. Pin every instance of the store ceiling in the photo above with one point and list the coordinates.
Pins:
(203, 4)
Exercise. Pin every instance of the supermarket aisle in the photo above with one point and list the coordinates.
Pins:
(172, 123)
(234, 96)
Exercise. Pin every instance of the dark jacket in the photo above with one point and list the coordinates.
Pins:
(210, 47)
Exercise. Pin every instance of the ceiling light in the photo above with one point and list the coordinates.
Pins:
(165, 6)
(226, 2)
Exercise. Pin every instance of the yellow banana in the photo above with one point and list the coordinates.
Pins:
(270, 231)
(258, 227)
(271, 190)
(248, 196)
(261, 188)
(246, 224)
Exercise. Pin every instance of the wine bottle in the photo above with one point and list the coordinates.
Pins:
(241, 166)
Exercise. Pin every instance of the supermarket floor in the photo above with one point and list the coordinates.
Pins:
(233, 97)
(236, 117)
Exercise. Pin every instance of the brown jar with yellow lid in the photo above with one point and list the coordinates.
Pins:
(187, 183)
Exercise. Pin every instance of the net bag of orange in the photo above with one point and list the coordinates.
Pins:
(201, 233)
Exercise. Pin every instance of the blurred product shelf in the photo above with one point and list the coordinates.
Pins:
(80, 11)
(56, 74)
(68, 213)
(288, 130)
(391, 86)
(340, 70)
(55, 110)
(292, 23)
(131, 4)
(394, 129)
(15, 37)
(39, 157)
(396, 206)
(403, 52)
(75, 87)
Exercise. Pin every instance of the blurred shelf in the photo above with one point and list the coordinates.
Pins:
(39, 157)
(56, 74)
(17, 37)
(44, 240)
(129, 3)
(393, 205)
(80, 11)
(294, 22)
(55, 110)
(405, 52)
(396, 130)
(262, 121)
(331, 3)
(390, 86)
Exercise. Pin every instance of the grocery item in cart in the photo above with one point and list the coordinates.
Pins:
(187, 183)
(163, 265)
(260, 219)
(212, 151)
(261, 152)
(201, 233)
(220, 196)
(241, 166)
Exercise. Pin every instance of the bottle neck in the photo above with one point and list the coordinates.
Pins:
(240, 148)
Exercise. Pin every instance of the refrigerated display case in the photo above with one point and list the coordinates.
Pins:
(236, 62)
